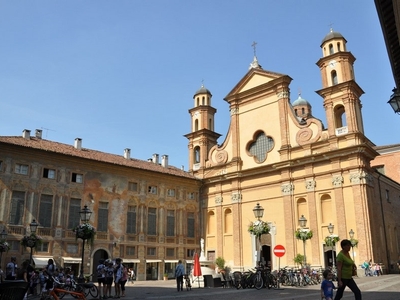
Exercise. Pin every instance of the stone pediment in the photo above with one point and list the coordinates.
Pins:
(253, 78)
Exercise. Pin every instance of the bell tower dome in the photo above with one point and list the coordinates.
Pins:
(340, 91)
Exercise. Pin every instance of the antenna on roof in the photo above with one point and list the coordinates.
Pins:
(47, 130)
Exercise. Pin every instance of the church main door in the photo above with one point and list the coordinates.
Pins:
(99, 254)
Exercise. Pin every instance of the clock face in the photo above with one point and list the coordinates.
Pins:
(196, 114)
(332, 63)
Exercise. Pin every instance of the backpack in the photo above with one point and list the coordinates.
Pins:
(100, 270)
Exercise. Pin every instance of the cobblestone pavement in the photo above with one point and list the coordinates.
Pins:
(385, 287)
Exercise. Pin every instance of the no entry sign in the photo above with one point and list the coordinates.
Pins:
(279, 250)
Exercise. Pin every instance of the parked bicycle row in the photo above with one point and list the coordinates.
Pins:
(261, 277)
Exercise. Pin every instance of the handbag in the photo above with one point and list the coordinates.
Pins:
(354, 271)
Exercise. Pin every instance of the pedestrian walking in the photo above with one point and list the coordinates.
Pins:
(345, 268)
(179, 272)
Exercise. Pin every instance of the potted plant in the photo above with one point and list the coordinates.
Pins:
(85, 231)
(299, 259)
(165, 276)
(220, 262)
(31, 241)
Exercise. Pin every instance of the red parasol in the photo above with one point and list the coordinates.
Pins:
(196, 267)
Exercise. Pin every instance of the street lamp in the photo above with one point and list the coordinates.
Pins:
(258, 211)
(33, 226)
(303, 223)
(395, 101)
(351, 234)
(3, 235)
(330, 229)
(84, 214)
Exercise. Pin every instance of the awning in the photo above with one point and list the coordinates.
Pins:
(132, 260)
(171, 260)
(41, 261)
(71, 260)
(153, 260)
(189, 261)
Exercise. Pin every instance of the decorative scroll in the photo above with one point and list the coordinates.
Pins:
(236, 197)
(337, 180)
(287, 189)
(218, 199)
(310, 185)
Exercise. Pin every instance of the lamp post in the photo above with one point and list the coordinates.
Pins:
(395, 101)
(330, 229)
(3, 235)
(258, 211)
(85, 214)
(303, 223)
(351, 234)
(33, 226)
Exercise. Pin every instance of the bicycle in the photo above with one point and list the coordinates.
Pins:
(86, 287)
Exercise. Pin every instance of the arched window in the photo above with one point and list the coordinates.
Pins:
(211, 223)
(302, 111)
(295, 112)
(228, 228)
(197, 155)
(302, 207)
(334, 77)
(210, 124)
(331, 49)
(340, 116)
(196, 125)
(202, 101)
(198, 101)
(326, 209)
(338, 47)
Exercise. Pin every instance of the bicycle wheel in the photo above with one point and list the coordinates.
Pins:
(258, 281)
(94, 291)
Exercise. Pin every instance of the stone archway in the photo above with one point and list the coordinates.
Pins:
(99, 254)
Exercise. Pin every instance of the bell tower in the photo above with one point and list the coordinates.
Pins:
(340, 91)
(202, 136)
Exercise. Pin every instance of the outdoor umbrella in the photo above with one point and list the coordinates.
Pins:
(196, 267)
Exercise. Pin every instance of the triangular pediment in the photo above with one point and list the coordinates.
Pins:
(254, 78)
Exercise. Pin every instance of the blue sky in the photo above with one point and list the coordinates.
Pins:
(122, 74)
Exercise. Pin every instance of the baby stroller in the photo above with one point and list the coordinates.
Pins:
(187, 282)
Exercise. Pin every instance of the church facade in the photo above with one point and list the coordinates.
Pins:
(278, 155)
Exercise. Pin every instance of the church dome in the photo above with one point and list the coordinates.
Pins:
(300, 101)
(202, 90)
(332, 35)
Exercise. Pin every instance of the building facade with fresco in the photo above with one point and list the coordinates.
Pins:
(275, 154)
(145, 212)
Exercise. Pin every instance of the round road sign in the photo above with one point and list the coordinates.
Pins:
(279, 250)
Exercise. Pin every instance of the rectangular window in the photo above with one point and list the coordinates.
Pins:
(191, 196)
(387, 196)
(151, 251)
(190, 225)
(171, 193)
(152, 189)
(72, 248)
(73, 213)
(78, 178)
(21, 169)
(14, 245)
(17, 208)
(152, 221)
(131, 220)
(45, 210)
(170, 223)
(102, 221)
(170, 252)
(190, 253)
(44, 247)
(49, 173)
(132, 186)
(130, 250)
